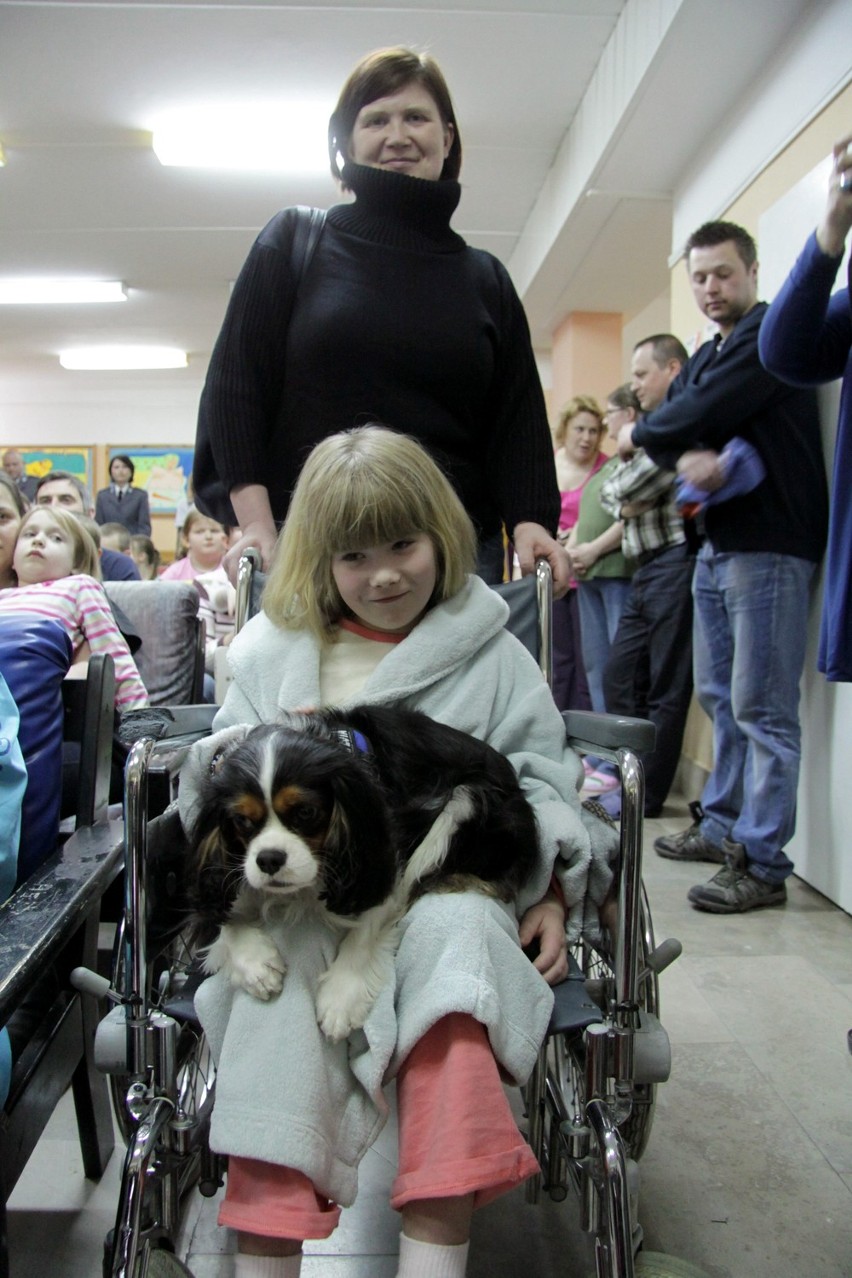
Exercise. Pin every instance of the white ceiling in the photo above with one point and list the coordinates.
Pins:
(82, 192)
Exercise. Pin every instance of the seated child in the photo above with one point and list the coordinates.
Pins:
(204, 543)
(372, 598)
(146, 556)
(115, 537)
(55, 564)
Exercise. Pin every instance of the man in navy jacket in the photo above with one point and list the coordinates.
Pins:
(752, 576)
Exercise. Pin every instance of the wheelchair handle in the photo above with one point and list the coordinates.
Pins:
(663, 956)
(89, 982)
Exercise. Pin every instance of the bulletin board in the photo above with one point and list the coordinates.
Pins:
(161, 470)
(77, 461)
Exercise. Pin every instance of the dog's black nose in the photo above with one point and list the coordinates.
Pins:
(270, 862)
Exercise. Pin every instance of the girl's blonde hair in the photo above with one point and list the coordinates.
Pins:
(579, 404)
(85, 557)
(362, 488)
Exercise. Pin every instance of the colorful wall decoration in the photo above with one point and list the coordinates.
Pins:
(162, 472)
(77, 461)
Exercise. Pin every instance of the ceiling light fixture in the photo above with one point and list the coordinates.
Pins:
(2, 156)
(40, 290)
(268, 137)
(112, 358)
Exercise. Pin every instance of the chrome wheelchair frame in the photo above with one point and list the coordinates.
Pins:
(588, 1102)
(150, 1044)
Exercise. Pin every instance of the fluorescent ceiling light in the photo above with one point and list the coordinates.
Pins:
(122, 357)
(271, 137)
(38, 290)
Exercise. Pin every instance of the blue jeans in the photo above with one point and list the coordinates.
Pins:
(751, 615)
(601, 603)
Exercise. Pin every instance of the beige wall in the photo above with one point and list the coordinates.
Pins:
(655, 318)
(586, 358)
(808, 148)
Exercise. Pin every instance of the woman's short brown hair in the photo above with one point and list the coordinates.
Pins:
(625, 397)
(360, 488)
(379, 75)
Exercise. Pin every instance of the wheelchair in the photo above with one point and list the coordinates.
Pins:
(590, 1100)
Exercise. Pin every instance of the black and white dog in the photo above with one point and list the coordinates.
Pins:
(360, 811)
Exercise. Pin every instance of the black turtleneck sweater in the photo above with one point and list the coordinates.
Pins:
(397, 321)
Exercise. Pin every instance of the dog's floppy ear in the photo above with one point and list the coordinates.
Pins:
(211, 873)
(359, 853)
(213, 885)
(203, 758)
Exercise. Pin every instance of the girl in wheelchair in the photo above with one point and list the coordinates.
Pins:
(55, 565)
(371, 597)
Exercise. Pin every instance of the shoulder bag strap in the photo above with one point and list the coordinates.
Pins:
(309, 224)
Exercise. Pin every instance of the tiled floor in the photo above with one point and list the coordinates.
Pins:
(749, 1169)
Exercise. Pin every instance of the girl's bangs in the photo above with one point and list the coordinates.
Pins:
(370, 518)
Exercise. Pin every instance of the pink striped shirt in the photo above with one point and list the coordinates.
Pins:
(80, 604)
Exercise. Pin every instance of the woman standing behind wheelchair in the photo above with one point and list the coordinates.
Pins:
(394, 318)
(371, 599)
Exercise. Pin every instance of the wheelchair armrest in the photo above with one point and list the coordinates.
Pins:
(606, 733)
(167, 723)
(173, 730)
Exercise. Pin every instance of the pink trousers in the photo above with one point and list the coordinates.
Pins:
(457, 1136)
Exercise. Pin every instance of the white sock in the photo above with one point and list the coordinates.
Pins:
(430, 1260)
(267, 1266)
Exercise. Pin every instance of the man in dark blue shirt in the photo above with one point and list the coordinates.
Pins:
(752, 577)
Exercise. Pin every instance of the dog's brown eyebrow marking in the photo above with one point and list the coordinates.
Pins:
(248, 805)
(287, 797)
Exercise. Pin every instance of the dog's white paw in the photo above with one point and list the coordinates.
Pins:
(256, 966)
(343, 1003)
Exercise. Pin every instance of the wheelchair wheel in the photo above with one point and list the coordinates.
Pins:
(567, 1053)
(173, 978)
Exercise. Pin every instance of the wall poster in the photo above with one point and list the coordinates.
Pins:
(162, 471)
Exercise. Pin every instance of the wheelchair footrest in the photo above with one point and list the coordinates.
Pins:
(573, 1009)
